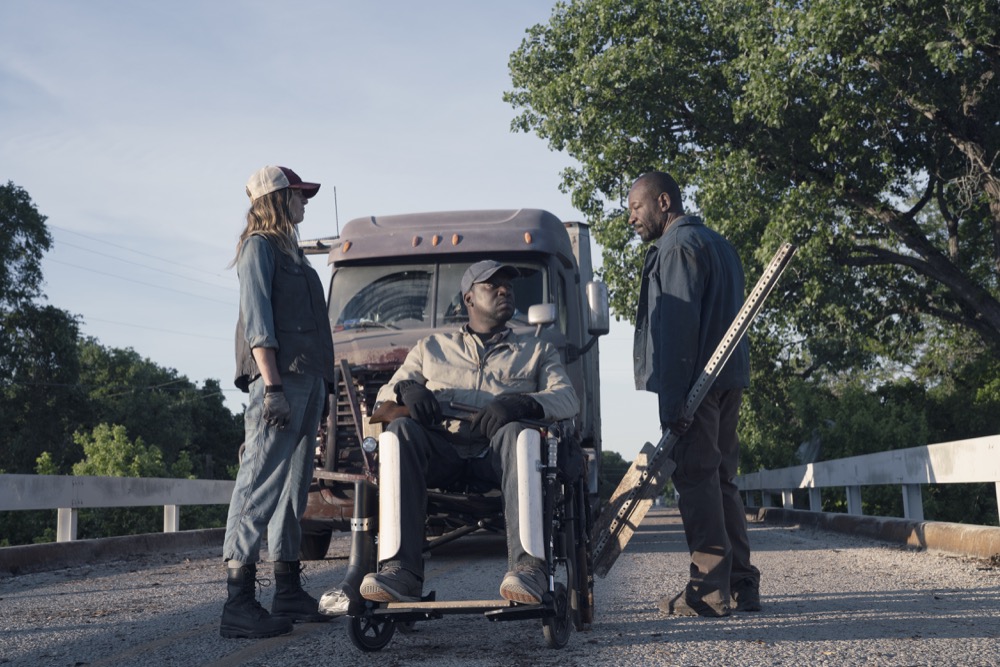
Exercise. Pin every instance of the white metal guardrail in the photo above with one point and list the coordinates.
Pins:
(69, 494)
(961, 462)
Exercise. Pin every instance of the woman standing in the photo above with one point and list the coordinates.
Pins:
(284, 359)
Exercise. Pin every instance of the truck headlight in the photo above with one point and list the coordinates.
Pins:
(369, 444)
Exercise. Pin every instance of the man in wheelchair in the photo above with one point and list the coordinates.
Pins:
(502, 378)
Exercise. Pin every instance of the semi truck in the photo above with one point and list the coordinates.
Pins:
(395, 279)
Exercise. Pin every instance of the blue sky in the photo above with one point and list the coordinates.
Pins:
(134, 126)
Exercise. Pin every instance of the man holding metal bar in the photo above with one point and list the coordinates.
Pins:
(692, 288)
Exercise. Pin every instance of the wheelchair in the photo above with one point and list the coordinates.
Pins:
(554, 504)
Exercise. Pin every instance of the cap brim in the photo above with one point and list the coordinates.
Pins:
(510, 271)
(309, 190)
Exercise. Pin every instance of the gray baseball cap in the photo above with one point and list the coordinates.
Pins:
(482, 271)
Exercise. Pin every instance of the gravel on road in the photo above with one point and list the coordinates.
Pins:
(829, 599)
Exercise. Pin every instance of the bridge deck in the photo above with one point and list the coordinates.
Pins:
(829, 599)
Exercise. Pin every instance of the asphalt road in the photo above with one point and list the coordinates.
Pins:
(828, 600)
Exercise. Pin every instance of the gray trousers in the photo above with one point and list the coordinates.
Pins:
(272, 485)
(428, 460)
(711, 507)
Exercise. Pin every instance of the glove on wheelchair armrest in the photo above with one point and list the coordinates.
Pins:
(504, 409)
(387, 411)
(420, 401)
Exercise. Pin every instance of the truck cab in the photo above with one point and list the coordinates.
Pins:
(395, 279)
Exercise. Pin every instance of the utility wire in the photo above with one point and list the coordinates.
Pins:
(139, 282)
(139, 326)
(138, 252)
(146, 266)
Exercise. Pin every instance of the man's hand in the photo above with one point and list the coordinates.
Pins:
(420, 401)
(277, 411)
(679, 426)
(503, 410)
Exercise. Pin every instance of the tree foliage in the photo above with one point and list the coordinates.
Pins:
(40, 397)
(613, 468)
(23, 240)
(69, 403)
(108, 452)
(160, 406)
(866, 132)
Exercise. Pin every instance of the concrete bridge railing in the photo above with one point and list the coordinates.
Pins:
(961, 462)
(965, 461)
(68, 494)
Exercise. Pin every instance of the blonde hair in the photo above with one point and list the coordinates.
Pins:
(268, 217)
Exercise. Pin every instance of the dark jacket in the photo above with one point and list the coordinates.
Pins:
(692, 289)
(281, 307)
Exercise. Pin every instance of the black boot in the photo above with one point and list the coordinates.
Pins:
(290, 600)
(242, 616)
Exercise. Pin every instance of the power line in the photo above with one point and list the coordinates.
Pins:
(139, 282)
(146, 266)
(138, 252)
(139, 326)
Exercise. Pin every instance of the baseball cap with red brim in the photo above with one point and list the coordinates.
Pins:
(271, 179)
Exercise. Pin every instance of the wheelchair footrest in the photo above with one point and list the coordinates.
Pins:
(494, 610)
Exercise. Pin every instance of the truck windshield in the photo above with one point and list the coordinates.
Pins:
(416, 296)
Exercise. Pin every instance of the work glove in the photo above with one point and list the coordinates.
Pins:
(679, 426)
(420, 401)
(277, 411)
(503, 410)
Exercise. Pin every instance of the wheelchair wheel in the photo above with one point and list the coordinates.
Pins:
(557, 628)
(369, 633)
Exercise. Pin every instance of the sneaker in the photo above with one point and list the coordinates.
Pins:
(746, 595)
(680, 605)
(392, 584)
(525, 584)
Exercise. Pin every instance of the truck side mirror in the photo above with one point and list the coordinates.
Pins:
(598, 312)
(542, 313)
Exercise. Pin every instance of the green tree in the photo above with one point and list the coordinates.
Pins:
(865, 132)
(44, 465)
(110, 453)
(613, 468)
(160, 406)
(38, 366)
(54, 384)
(23, 240)
(40, 400)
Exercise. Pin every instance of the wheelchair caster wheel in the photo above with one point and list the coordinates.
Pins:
(557, 628)
(369, 633)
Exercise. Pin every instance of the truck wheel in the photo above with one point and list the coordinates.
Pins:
(315, 545)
